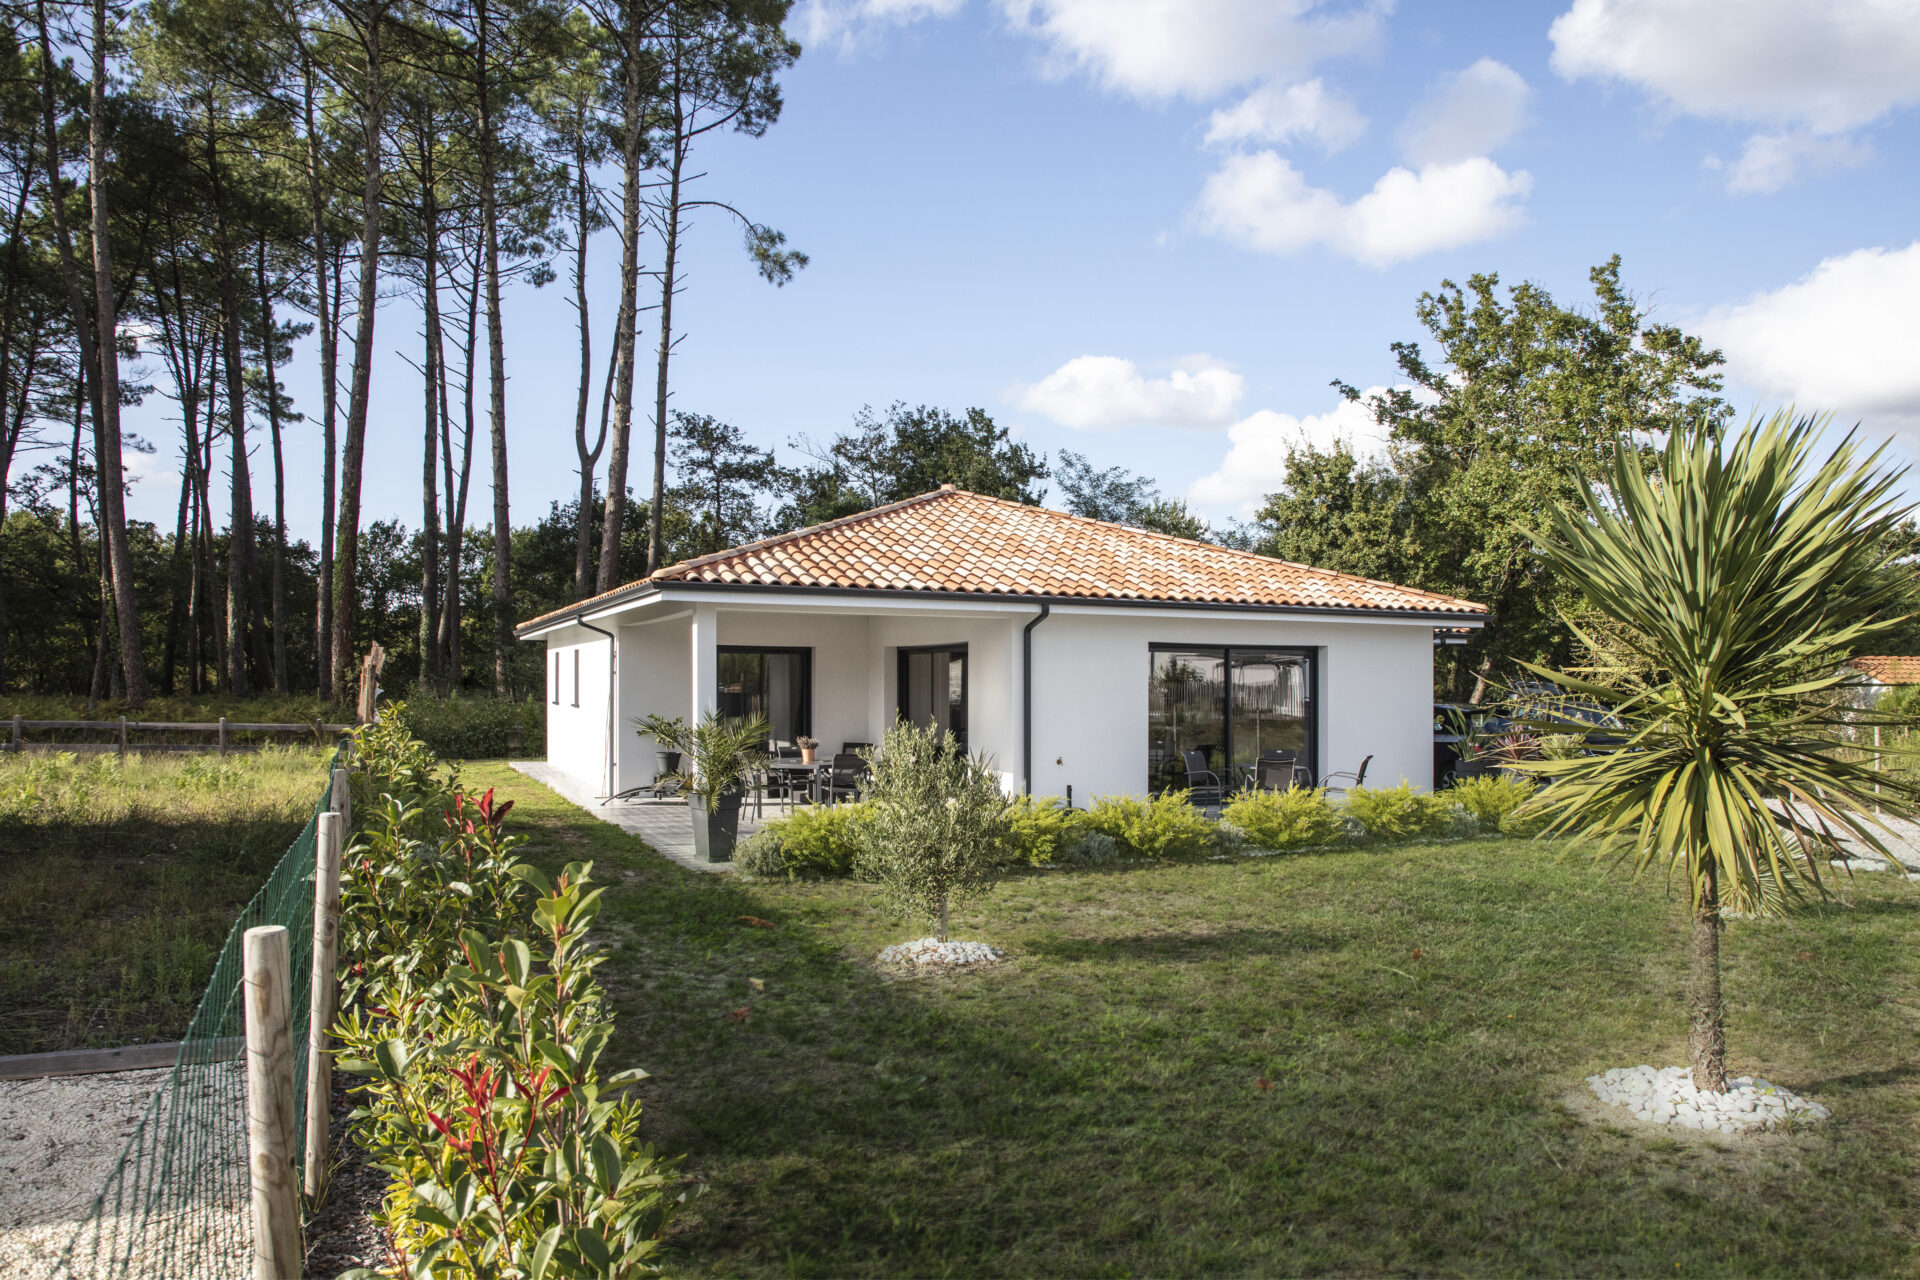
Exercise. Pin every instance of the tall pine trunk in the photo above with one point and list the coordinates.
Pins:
(496, 359)
(457, 493)
(278, 586)
(589, 458)
(106, 447)
(326, 318)
(430, 456)
(626, 319)
(676, 169)
(347, 539)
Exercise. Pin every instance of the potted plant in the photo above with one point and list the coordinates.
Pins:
(807, 748)
(724, 753)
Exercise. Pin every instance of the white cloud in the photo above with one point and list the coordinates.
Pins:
(1794, 66)
(1286, 113)
(1469, 114)
(1107, 391)
(1771, 161)
(1160, 49)
(847, 23)
(1840, 338)
(1263, 202)
(1256, 461)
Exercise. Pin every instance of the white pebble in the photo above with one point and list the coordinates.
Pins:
(926, 951)
(1667, 1096)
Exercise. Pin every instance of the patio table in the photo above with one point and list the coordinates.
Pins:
(800, 767)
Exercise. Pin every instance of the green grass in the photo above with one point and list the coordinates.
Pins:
(118, 884)
(1091, 1108)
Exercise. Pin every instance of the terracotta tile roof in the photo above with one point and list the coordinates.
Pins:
(1889, 668)
(954, 541)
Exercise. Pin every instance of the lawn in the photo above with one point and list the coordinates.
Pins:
(118, 884)
(1420, 1018)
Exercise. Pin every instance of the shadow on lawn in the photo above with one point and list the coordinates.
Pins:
(1200, 943)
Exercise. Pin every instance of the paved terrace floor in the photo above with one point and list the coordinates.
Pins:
(664, 824)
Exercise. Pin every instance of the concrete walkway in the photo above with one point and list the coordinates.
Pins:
(664, 824)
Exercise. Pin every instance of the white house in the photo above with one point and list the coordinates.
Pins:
(1073, 652)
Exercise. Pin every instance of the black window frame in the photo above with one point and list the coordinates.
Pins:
(966, 683)
(804, 727)
(1309, 652)
(556, 677)
(576, 677)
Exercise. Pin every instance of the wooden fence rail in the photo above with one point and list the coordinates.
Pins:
(122, 727)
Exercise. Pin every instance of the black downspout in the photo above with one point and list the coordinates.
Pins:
(612, 649)
(1026, 693)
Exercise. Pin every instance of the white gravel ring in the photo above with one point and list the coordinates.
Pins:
(1667, 1096)
(925, 951)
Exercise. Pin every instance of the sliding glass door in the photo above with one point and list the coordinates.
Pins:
(1229, 704)
(775, 685)
(933, 688)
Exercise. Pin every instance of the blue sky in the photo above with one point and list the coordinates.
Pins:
(1153, 231)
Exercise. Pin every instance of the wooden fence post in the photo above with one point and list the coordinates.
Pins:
(341, 801)
(223, 735)
(271, 1105)
(17, 743)
(123, 740)
(328, 834)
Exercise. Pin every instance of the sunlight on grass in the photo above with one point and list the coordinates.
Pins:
(118, 883)
(1095, 1107)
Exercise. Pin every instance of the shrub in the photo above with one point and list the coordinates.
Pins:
(1163, 826)
(1087, 849)
(1038, 829)
(1400, 813)
(936, 833)
(476, 1026)
(475, 727)
(1490, 798)
(811, 841)
(1297, 818)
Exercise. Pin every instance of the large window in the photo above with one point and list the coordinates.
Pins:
(933, 688)
(1229, 704)
(775, 685)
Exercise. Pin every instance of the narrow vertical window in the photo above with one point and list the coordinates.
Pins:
(576, 677)
(555, 682)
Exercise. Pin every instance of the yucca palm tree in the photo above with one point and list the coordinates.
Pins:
(1742, 575)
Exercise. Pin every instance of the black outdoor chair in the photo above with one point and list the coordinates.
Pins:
(844, 778)
(1203, 784)
(851, 748)
(1359, 777)
(1278, 770)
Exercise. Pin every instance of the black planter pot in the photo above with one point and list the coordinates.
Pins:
(1469, 769)
(665, 762)
(715, 833)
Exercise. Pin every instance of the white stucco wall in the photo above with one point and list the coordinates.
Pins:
(577, 734)
(1090, 693)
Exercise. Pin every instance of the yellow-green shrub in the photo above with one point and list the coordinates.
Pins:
(1163, 826)
(816, 841)
(1491, 797)
(1296, 818)
(1038, 829)
(1400, 813)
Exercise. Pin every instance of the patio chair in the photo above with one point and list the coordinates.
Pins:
(1279, 770)
(1358, 776)
(853, 748)
(844, 778)
(1203, 784)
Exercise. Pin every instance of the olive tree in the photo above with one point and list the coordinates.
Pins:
(936, 832)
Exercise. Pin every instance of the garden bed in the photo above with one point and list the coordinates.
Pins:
(1352, 1061)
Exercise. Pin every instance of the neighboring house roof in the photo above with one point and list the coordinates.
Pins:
(1889, 668)
(954, 542)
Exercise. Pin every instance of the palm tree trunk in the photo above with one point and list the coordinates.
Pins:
(1706, 1013)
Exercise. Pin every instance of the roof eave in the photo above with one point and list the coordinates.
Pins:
(653, 588)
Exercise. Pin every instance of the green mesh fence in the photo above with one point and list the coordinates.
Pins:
(177, 1204)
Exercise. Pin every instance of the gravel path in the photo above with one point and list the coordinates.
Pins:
(59, 1138)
